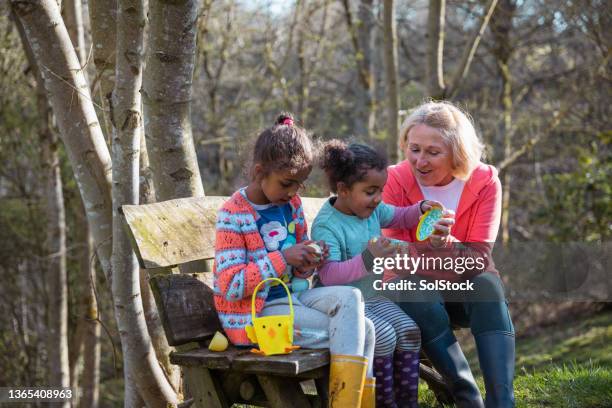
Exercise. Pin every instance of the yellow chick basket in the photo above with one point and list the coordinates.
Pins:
(273, 334)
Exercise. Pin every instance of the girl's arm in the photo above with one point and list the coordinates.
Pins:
(393, 194)
(404, 217)
(343, 272)
(236, 276)
(337, 271)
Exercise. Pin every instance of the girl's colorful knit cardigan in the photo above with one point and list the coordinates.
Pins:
(242, 261)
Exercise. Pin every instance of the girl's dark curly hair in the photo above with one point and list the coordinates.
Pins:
(349, 163)
(283, 146)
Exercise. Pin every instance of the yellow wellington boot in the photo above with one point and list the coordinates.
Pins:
(346, 379)
(368, 399)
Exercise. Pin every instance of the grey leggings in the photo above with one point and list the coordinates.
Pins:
(329, 317)
(394, 328)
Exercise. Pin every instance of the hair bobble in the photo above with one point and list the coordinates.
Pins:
(287, 121)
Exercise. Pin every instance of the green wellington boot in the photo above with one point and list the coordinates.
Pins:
(448, 359)
(496, 356)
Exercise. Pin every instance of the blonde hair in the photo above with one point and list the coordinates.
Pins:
(456, 129)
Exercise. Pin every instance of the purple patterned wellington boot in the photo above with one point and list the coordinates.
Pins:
(406, 379)
(383, 371)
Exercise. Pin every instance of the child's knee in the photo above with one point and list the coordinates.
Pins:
(409, 338)
(386, 339)
(348, 295)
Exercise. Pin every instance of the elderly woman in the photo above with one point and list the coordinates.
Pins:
(443, 164)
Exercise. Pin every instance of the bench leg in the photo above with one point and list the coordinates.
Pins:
(322, 384)
(204, 389)
(283, 392)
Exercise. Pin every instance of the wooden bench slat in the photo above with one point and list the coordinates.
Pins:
(293, 364)
(297, 362)
(173, 232)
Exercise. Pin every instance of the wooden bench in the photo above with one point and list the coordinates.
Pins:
(178, 236)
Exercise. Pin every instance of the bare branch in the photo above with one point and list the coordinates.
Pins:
(527, 146)
(470, 50)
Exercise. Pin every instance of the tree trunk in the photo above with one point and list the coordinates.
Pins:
(166, 94)
(507, 124)
(156, 330)
(435, 48)
(55, 243)
(391, 80)
(501, 26)
(90, 381)
(103, 20)
(366, 39)
(73, 17)
(57, 279)
(76, 118)
(361, 36)
(143, 374)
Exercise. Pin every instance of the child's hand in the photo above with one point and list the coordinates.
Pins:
(325, 251)
(442, 229)
(309, 267)
(381, 247)
(301, 256)
(427, 205)
(304, 274)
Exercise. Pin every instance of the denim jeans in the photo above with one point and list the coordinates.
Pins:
(482, 310)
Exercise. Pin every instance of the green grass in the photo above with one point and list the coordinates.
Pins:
(566, 365)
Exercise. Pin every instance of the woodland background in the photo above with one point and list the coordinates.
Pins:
(172, 93)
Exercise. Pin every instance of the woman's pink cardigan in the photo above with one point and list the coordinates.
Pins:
(476, 220)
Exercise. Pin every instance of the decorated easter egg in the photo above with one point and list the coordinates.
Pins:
(426, 225)
(318, 250)
(218, 342)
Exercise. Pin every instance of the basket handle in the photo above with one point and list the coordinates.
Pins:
(255, 294)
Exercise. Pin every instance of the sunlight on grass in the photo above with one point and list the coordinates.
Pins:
(566, 365)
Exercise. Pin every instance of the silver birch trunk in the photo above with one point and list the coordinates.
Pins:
(501, 27)
(73, 18)
(390, 57)
(361, 36)
(435, 48)
(55, 243)
(103, 21)
(366, 39)
(80, 131)
(167, 90)
(143, 374)
(57, 278)
(156, 330)
(90, 381)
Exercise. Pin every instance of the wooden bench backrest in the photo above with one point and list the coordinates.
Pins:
(175, 232)
(178, 231)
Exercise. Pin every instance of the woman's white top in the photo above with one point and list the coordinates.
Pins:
(448, 195)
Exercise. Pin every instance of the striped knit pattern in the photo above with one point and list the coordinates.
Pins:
(395, 330)
(242, 261)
